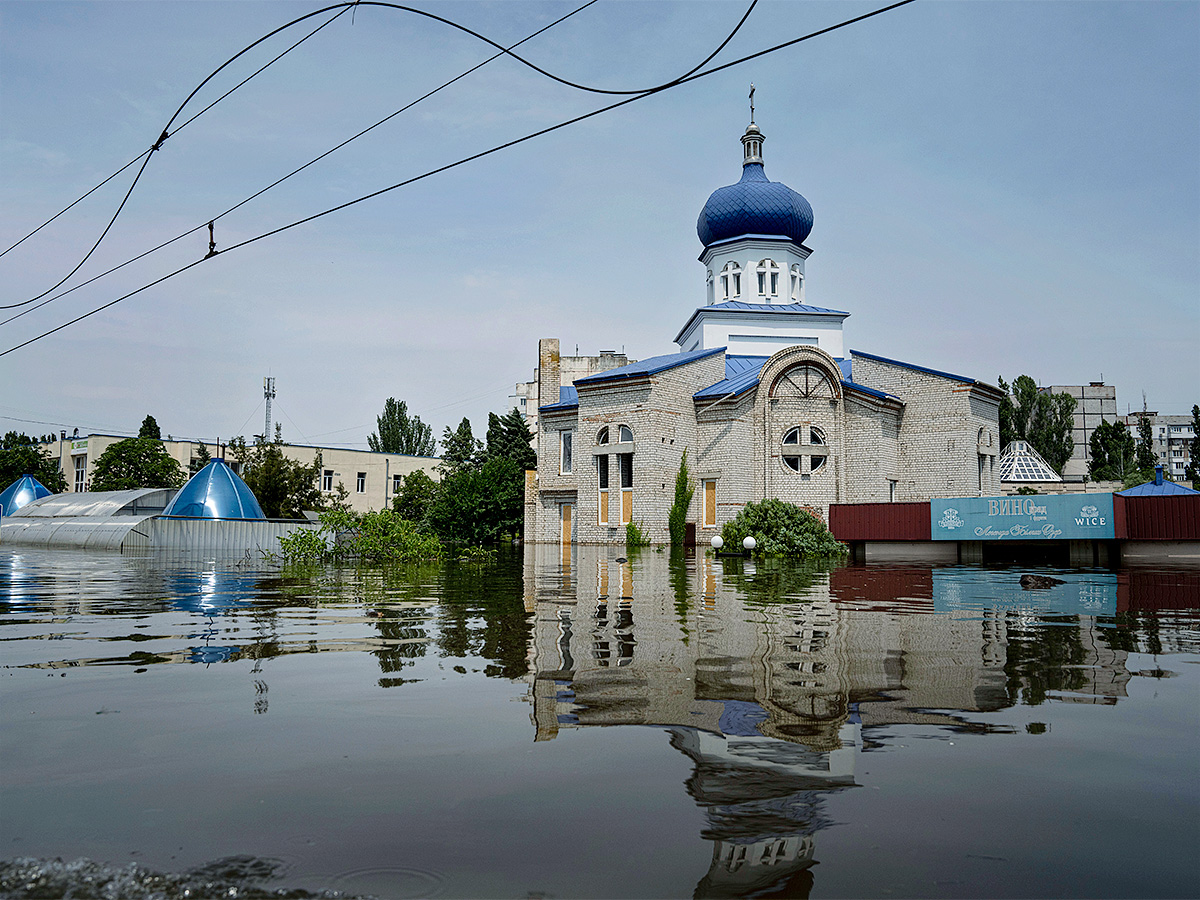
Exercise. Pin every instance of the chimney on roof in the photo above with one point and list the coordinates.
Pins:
(1158, 475)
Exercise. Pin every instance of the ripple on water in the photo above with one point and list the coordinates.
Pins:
(394, 882)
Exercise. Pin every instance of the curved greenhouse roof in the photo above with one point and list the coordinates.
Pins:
(21, 492)
(215, 492)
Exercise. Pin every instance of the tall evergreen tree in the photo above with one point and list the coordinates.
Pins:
(1147, 459)
(1192, 472)
(401, 433)
(150, 429)
(460, 449)
(508, 436)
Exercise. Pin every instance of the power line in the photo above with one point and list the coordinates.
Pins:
(343, 8)
(280, 181)
(146, 157)
(528, 137)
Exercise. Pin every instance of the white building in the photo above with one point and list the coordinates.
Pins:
(762, 394)
(1173, 436)
(369, 478)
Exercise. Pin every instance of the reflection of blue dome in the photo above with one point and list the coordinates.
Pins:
(20, 493)
(754, 206)
(215, 492)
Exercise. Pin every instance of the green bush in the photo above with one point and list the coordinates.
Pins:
(379, 536)
(635, 536)
(781, 529)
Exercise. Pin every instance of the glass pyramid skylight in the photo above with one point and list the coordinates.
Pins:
(1020, 462)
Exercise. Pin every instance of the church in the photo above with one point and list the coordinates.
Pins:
(762, 395)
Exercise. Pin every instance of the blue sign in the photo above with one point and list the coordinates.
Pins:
(1040, 517)
(1047, 593)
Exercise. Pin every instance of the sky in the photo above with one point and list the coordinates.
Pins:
(998, 189)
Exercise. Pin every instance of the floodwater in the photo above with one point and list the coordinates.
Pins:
(570, 723)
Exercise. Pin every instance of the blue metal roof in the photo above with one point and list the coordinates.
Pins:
(568, 398)
(755, 205)
(1164, 488)
(775, 308)
(916, 368)
(651, 366)
(215, 492)
(742, 373)
(759, 309)
(20, 493)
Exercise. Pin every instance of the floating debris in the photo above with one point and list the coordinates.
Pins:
(26, 878)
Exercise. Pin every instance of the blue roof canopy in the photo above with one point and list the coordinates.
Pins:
(1159, 487)
(215, 492)
(20, 493)
(651, 366)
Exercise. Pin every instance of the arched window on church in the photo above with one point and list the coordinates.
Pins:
(797, 288)
(710, 287)
(602, 437)
(731, 281)
(768, 278)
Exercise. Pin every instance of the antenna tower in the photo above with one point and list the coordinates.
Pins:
(268, 395)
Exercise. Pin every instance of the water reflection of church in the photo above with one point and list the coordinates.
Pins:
(771, 682)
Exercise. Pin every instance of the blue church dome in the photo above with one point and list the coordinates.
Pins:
(215, 492)
(755, 205)
(20, 493)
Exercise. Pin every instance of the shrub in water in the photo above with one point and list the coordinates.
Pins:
(378, 536)
(782, 529)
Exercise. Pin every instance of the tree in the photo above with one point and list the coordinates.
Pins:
(200, 460)
(140, 462)
(1192, 472)
(460, 449)
(1146, 457)
(1040, 417)
(284, 487)
(401, 433)
(149, 429)
(21, 455)
(677, 517)
(416, 495)
(1114, 455)
(479, 505)
(508, 436)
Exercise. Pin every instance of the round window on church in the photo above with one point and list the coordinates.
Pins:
(804, 450)
(602, 437)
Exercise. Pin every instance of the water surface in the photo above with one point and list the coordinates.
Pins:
(575, 724)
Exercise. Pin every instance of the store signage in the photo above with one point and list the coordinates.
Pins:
(1041, 517)
(1059, 593)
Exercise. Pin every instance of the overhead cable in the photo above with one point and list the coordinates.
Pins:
(342, 7)
(535, 134)
(145, 157)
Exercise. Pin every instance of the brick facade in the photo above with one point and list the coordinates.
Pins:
(803, 434)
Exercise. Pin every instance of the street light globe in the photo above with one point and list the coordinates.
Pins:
(716, 542)
(749, 543)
